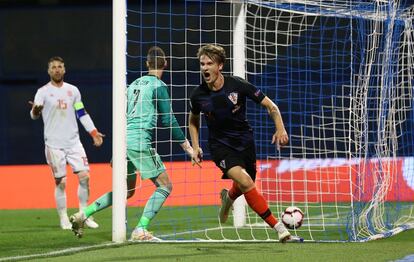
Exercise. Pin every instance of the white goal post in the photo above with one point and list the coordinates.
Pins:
(239, 69)
(119, 169)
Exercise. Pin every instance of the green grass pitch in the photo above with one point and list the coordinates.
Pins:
(35, 234)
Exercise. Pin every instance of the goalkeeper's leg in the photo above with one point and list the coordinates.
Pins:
(150, 166)
(152, 207)
(78, 219)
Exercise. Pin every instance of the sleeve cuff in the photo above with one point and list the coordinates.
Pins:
(94, 133)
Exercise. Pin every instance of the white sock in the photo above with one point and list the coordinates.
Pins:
(60, 197)
(83, 193)
(280, 227)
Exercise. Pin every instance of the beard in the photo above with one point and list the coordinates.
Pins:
(57, 78)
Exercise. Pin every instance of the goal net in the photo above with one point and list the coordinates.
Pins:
(341, 73)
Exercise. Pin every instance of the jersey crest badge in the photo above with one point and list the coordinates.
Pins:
(70, 93)
(223, 163)
(233, 97)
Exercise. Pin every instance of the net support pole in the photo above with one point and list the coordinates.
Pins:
(119, 188)
(239, 60)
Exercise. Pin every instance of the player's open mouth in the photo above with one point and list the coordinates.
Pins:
(206, 75)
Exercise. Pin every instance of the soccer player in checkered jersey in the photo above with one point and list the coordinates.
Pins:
(222, 99)
(59, 103)
(147, 99)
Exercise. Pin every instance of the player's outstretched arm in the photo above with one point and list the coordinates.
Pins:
(97, 138)
(193, 128)
(187, 147)
(280, 137)
(88, 124)
(36, 110)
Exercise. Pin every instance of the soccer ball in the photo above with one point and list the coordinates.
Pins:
(292, 217)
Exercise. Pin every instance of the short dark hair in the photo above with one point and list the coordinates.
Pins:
(155, 58)
(55, 58)
(214, 52)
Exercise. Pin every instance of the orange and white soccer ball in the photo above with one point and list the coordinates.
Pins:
(292, 217)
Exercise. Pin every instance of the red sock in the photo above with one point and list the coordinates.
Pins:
(234, 192)
(257, 202)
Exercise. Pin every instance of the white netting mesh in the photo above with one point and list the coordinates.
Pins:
(342, 75)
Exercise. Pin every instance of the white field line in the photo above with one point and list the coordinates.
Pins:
(61, 252)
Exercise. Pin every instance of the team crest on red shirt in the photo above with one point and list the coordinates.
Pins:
(233, 97)
(70, 93)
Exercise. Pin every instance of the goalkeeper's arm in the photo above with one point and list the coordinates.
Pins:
(168, 119)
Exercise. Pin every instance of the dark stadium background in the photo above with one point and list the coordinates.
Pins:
(32, 31)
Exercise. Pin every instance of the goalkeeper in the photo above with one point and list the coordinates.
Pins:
(146, 97)
(222, 99)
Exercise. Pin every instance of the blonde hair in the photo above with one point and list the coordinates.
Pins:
(55, 58)
(214, 52)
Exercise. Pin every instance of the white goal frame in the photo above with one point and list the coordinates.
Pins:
(119, 170)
